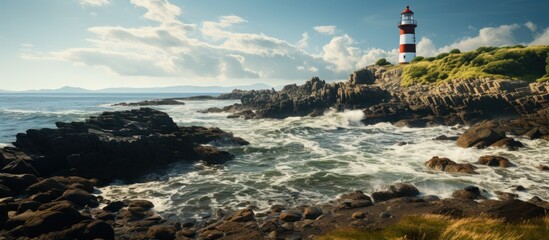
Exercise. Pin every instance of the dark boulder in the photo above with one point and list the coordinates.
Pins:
(78, 197)
(509, 143)
(114, 206)
(468, 193)
(17, 183)
(204, 135)
(312, 212)
(396, 191)
(356, 195)
(28, 205)
(495, 161)
(516, 211)
(213, 155)
(244, 215)
(447, 165)
(45, 185)
(290, 216)
(481, 135)
(143, 205)
(99, 230)
(161, 232)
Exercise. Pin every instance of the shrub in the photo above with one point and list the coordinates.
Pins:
(526, 63)
(486, 49)
(455, 51)
(442, 55)
(416, 71)
(503, 67)
(429, 59)
(382, 62)
(417, 59)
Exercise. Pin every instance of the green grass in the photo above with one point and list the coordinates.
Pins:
(517, 62)
(432, 227)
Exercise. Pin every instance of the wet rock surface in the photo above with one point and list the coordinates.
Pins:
(68, 218)
(447, 165)
(120, 145)
(48, 180)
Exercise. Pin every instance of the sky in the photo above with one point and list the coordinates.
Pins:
(98, 44)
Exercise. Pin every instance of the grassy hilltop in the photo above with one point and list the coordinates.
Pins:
(516, 62)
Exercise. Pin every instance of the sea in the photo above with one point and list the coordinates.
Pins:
(293, 162)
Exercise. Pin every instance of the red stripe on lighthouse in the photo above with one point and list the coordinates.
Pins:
(407, 48)
(407, 30)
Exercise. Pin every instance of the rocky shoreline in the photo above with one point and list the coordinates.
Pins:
(515, 106)
(48, 186)
(49, 179)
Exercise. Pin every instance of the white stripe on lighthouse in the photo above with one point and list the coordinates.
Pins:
(407, 39)
(406, 57)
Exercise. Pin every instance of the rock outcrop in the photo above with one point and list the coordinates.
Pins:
(155, 102)
(520, 108)
(113, 145)
(314, 96)
(447, 165)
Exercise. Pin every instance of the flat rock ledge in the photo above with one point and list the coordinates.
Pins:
(154, 102)
(113, 145)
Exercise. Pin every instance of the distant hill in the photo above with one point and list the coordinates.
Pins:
(173, 89)
(516, 62)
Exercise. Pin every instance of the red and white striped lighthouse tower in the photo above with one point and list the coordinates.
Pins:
(407, 27)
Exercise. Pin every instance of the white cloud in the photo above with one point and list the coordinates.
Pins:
(372, 55)
(426, 47)
(94, 3)
(488, 36)
(172, 48)
(215, 50)
(542, 39)
(303, 43)
(340, 51)
(159, 10)
(530, 25)
(327, 30)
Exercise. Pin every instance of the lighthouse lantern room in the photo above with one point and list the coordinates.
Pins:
(407, 27)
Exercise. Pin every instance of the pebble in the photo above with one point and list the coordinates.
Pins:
(359, 215)
(384, 215)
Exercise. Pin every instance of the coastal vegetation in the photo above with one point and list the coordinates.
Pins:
(419, 227)
(516, 62)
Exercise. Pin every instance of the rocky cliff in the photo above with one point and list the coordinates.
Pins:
(520, 105)
(458, 101)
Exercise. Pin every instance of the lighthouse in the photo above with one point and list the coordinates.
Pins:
(407, 27)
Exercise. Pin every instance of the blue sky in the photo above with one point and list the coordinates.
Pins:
(146, 43)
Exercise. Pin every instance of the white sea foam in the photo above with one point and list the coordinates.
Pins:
(303, 160)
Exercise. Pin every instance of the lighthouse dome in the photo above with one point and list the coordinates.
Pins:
(407, 10)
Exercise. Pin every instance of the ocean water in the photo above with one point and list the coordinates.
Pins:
(295, 161)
